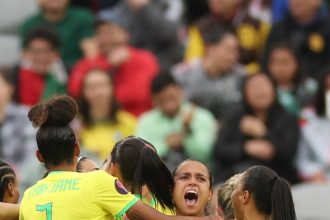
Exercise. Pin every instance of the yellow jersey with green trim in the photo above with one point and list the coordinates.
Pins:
(155, 204)
(76, 196)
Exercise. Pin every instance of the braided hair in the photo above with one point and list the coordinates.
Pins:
(7, 175)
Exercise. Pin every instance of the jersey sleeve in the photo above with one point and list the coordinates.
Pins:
(111, 195)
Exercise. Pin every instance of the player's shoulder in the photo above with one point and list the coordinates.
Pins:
(97, 175)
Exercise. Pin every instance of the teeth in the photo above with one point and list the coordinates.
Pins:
(192, 191)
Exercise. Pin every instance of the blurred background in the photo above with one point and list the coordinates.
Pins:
(233, 83)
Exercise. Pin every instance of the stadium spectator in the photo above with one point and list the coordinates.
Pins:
(132, 69)
(294, 90)
(103, 122)
(213, 82)
(231, 15)
(307, 30)
(17, 145)
(183, 130)
(263, 133)
(40, 74)
(192, 191)
(73, 25)
(313, 155)
(148, 28)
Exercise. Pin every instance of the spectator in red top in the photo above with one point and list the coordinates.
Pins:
(40, 73)
(133, 69)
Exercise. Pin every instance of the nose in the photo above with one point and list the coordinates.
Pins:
(193, 181)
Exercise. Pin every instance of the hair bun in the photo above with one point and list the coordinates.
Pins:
(58, 111)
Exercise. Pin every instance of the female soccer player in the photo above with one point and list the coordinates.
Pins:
(65, 194)
(192, 188)
(136, 164)
(261, 194)
(9, 192)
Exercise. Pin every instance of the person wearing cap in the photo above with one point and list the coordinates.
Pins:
(72, 24)
(132, 69)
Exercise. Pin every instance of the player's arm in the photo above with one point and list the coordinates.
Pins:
(142, 211)
(9, 211)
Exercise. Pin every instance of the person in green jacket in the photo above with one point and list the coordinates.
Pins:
(177, 128)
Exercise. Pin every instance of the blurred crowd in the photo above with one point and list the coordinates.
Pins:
(232, 83)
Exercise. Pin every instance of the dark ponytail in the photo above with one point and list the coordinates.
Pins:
(55, 138)
(140, 165)
(271, 193)
(7, 175)
(282, 202)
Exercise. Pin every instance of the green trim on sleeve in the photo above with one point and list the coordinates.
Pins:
(119, 216)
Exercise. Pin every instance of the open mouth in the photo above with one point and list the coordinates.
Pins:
(191, 197)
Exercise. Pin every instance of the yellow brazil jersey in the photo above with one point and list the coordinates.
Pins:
(155, 204)
(76, 196)
(101, 137)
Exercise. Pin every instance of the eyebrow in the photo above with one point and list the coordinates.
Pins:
(197, 174)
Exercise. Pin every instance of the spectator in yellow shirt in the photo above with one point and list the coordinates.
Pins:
(103, 123)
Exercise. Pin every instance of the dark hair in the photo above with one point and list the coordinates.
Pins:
(140, 165)
(84, 107)
(319, 102)
(7, 75)
(42, 33)
(271, 193)
(213, 34)
(55, 138)
(246, 106)
(192, 160)
(7, 175)
(162, 81)
(283, 45)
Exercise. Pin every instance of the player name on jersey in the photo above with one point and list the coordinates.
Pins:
(62, 185)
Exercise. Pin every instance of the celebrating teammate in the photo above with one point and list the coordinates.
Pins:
(136, 164)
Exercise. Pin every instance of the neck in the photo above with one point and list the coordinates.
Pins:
(211, 67)
(256, 216)
(54, 16)
(100, 112)
(70, 167)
